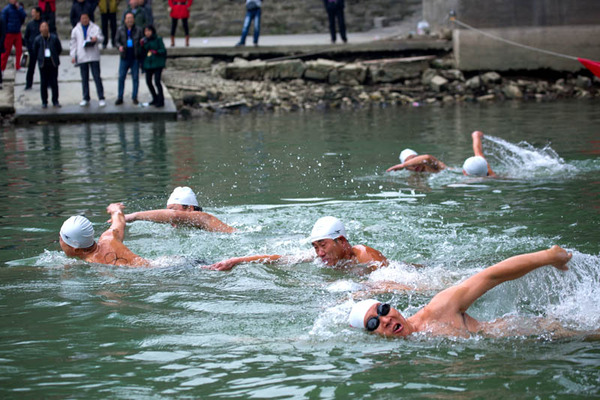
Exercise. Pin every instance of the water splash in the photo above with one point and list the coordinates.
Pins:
(523, 160)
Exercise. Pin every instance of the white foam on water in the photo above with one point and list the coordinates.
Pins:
(578, 291)
(523, 160)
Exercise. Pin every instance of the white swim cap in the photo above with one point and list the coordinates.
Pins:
(183, 195)
(359, 311)
(327, 228)
(77, 232)
(476, 166)
(405, 153)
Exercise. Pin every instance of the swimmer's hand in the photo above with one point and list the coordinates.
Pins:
(560, 257)
(115, 208)
(226, 265)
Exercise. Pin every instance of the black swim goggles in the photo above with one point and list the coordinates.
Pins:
(383, 309)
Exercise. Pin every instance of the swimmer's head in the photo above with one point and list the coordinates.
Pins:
(475, 166)
(182, 195)
(77, 232)
(327, 228)
(359, 311)
(379, 318)
(405, 154)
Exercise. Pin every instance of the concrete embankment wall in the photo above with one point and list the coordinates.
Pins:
(225, 17)
(563, 26)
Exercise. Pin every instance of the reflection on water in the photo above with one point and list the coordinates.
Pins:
(281, 331)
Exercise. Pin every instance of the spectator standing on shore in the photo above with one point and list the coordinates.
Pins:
(2, 35)
(47, 49)
(32, 30)
(108, 18)
(13, 15)
(335, 10)
(48, 8)
(154, 63)
(180, 10)
(149, 13)
(128, 42)
(80, 7)
(136, 7)
(253, 12)
(85, 53)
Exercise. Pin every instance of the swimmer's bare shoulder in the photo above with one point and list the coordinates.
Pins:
(370, 256)
(110, 250)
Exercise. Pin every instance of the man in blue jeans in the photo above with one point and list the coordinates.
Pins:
(128, 42)
(253, 8)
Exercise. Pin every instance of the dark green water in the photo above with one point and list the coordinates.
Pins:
(72, 330)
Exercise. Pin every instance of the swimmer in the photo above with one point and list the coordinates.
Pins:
(76, 239)
(477, 165)
(328, 238)
(410, 160)
(445, 315)
(182, 209)
(473, 166)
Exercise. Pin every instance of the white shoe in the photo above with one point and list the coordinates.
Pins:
(84, 103)
(101, 103)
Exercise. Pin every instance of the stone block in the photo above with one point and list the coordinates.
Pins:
(491, 78)
(394, 70)
(438, 83)
(189, 63)
(245, 70)
(283, 70)
(319, 70)
(512, 91)
(353, 74)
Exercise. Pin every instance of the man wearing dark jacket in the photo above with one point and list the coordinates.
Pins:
(47, 48)
(128, 42)
(13, 15)
(139, 11)
(82, 7)
(31, 32)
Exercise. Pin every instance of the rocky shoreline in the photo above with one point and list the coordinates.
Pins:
(201, 87)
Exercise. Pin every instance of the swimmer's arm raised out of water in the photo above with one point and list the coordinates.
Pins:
(110, 249)
(478, 149)
(117, 222)
(196, 219)
(428, 162)
(459, 298)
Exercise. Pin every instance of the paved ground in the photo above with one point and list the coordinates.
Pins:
(27, 104)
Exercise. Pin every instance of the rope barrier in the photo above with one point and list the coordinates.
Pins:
(552, 53)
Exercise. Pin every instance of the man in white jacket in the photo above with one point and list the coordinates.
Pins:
(85, 53)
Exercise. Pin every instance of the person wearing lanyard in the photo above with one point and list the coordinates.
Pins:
(128, 42)
(47, 49)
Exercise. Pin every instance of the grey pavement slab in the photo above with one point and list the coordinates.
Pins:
(28, 103)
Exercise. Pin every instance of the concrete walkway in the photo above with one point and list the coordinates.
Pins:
(28, 103)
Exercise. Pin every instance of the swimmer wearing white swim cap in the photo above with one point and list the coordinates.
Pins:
(445, 315)
(410, 160)
(182, 210)
(328, 238)
(76, 239)
(477, 165)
